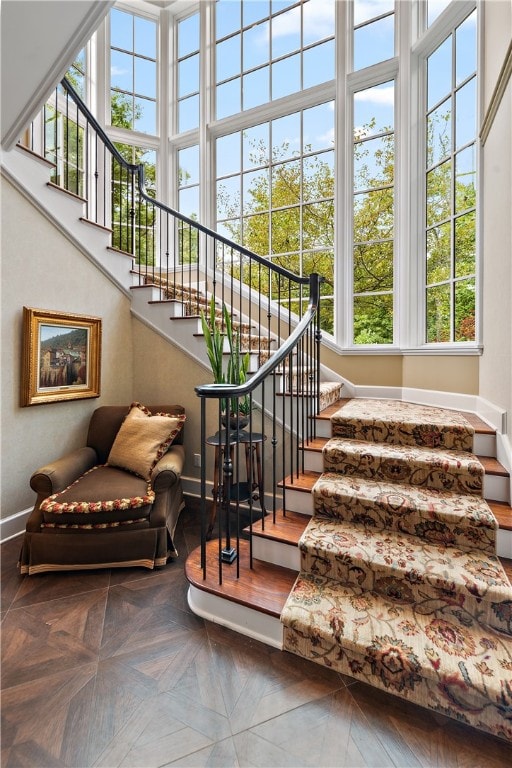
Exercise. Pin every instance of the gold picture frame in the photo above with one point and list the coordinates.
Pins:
(61, 356)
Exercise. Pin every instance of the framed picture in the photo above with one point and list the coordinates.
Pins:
(61, 356)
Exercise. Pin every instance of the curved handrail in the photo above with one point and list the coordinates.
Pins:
(224, 391)
(138, 171)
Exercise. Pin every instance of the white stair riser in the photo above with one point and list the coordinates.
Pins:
(314, 461)
(496, 488)
(484, 445)
(504, 544)
(323, 428)
(299, 501)
(143, 294)
(247, 621)
(276, 552)
(176, 309)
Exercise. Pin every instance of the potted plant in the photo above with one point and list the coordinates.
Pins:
(236, 410)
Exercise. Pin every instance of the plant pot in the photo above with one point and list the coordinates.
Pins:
(235, 421)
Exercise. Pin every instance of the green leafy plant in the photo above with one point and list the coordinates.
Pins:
(237, 362)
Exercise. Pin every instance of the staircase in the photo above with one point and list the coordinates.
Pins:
(398, 581)
(382, 562)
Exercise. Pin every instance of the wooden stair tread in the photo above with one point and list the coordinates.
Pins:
(481, 426)
(163, 301)
(95, 224)
(507, 567)
(302, 482)
(503, 514)
(125, 253)
(492, 466)
(328, 412)
(264, 588)
(315, 444)
(65, 191)
(287, 527)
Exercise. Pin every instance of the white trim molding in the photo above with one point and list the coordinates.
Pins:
(13, 525)
(497, 95)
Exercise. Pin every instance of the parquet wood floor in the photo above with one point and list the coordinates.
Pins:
(111, 669)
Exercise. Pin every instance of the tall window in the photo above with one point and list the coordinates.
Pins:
(133, 72)
(76, 74)
(450, 183)
(134, 233)
(373, 215)
(188, 73)
(275, 192)
(434, 9)
(290, 133)
(64, 136)
(188, 202)
(266, 51)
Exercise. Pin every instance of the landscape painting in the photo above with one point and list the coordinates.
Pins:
(61, 356)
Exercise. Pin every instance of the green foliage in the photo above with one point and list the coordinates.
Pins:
(300, 235)
(214, 341)
(133, 233)
(123, 112)
(238, 363)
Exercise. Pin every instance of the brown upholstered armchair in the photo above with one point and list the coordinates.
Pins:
(94, 512)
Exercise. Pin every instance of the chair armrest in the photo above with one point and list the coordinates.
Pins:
(168, 470)
(59, 474)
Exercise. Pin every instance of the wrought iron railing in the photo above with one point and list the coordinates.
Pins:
(283, 398)
(276, 313)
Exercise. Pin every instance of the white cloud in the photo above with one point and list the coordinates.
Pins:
(369, 9)
(328, 137)
(377, 95)
(117, 71)
(318, 20)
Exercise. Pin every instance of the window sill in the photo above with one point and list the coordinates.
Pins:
(434, 350)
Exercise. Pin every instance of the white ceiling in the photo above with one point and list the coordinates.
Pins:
(39, 40)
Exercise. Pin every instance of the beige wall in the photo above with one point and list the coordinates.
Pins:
(165, 374)
(446, 373)
(42, 269)
(496, 364)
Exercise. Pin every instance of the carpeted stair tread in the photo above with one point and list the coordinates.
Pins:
(416, 465)
(329, 393)
(396, 422)
(400, 585)
(426, 653)
(408, 569)
(438, 517)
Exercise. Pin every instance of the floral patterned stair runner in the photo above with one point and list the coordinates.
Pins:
(426, 467)
(330, 393)
(432, 656)
(438, 517)
(391, 421)
(400, 585)
(407, 570)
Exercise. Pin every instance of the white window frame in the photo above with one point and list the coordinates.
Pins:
(426, 43)
(414, 42)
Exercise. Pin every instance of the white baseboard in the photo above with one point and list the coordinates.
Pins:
(13, 525)
(246, 621)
